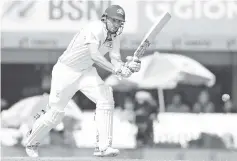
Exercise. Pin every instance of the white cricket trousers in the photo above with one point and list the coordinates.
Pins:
(66, 82)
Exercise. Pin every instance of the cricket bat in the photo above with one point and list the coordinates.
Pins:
(151, 35)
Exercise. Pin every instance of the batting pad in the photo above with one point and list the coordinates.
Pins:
(43, 125)
(104, 125)
(96, 133)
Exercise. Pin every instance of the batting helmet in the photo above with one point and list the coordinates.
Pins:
(116, 12)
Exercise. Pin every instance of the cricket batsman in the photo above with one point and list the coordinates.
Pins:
(74, 71)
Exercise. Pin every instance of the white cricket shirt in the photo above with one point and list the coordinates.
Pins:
(77, 54)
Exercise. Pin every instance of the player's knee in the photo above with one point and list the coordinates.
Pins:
(53, 117)
(56, 105)
(106, 100)
(59, 102)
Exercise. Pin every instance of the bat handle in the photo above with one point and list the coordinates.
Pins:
(130, 59)
(136, 59)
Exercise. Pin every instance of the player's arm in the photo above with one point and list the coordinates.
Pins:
(99, 59)
(133, 64)
(104, 63)
(115, 55)
(93, 38)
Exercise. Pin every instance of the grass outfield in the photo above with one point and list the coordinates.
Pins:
(53, 153)
(67, 159)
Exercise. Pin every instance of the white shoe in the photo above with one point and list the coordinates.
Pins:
(32, 151)
(109, 152)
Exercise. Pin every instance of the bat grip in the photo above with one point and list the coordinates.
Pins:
(132, 59)
(136, 60)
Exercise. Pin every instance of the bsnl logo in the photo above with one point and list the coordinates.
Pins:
(194, 9)
(76, 10)
(55, 9)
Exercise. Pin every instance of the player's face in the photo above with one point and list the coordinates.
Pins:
(114, 24)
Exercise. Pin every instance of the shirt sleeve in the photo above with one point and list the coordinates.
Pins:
(115, 52)
(94, 34)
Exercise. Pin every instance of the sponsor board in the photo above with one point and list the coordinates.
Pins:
(40, 40)
(193, 17)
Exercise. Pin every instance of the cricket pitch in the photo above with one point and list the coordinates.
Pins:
(67, 159)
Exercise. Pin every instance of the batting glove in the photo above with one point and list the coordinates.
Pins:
(123, 71)
(133, 63)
